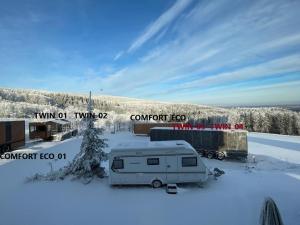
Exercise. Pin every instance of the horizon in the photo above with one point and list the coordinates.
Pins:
(198, 52)
(168, 102)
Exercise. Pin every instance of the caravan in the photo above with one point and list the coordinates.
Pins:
(156, 163)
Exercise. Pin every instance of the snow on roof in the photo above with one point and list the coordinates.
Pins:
(196, 129)
(62, 122)
(11, 119)
(58, 121)
(151, 145)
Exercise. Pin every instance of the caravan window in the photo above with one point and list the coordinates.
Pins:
(189, 161)
(153, 161)
(118, 164)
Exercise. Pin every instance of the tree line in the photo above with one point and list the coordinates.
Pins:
(17, 103)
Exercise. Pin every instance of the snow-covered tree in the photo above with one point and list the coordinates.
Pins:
(87, 163)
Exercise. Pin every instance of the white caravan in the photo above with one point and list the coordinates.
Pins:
(155, 163)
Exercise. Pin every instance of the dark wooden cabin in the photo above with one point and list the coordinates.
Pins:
(12, 135)
(39, 130)
(144, 128)
(45, 130)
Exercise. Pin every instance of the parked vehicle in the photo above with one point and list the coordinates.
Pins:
(208, 142)
(12, 135)
(156, 164)
(171, 189)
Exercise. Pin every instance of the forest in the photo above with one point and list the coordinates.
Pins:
(19, 103)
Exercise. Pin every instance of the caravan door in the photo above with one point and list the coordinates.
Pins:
(172, 169)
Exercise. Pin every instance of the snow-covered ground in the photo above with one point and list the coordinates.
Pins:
(235, 198)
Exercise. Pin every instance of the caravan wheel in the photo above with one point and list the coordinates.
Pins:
(202, 153)
(220, 155)
(210, 155)
(156, 184)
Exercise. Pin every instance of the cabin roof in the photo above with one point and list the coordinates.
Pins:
(62, 122)
(13, 120)
(58, 121)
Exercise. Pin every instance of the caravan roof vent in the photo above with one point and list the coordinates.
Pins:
(179, 144)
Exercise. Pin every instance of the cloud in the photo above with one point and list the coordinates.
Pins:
(118, 55)
(163, 21)
(267, 94)
(286, 64)
(289, 40)
(202, 50)
(215, 44)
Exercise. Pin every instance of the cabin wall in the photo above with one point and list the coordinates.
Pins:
(2, 133)
(12, 133)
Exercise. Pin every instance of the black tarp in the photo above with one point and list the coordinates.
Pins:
(210, 140)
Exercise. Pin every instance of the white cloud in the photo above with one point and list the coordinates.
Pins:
(213, 45)
(286, 64)
(118, 55)
(289, 40)
(278, 93)
(164, 20)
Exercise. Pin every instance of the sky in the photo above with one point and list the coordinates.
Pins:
(205, 52)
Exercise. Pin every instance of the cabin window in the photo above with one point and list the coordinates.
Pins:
(41, 128)
(32, 128)
(153, 161)
(189, 161)
(118, 164)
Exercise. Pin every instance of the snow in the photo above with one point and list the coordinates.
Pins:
(197, 129)
(147, 144)
(273, 169)
(278, 137)
(279, 149)
(59, 121)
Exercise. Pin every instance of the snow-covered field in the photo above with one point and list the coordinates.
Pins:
(235, 198)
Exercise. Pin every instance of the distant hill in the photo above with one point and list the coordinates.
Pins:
(30, 100)
(22, 103)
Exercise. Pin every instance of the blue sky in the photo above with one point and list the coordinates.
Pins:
(206, 52)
